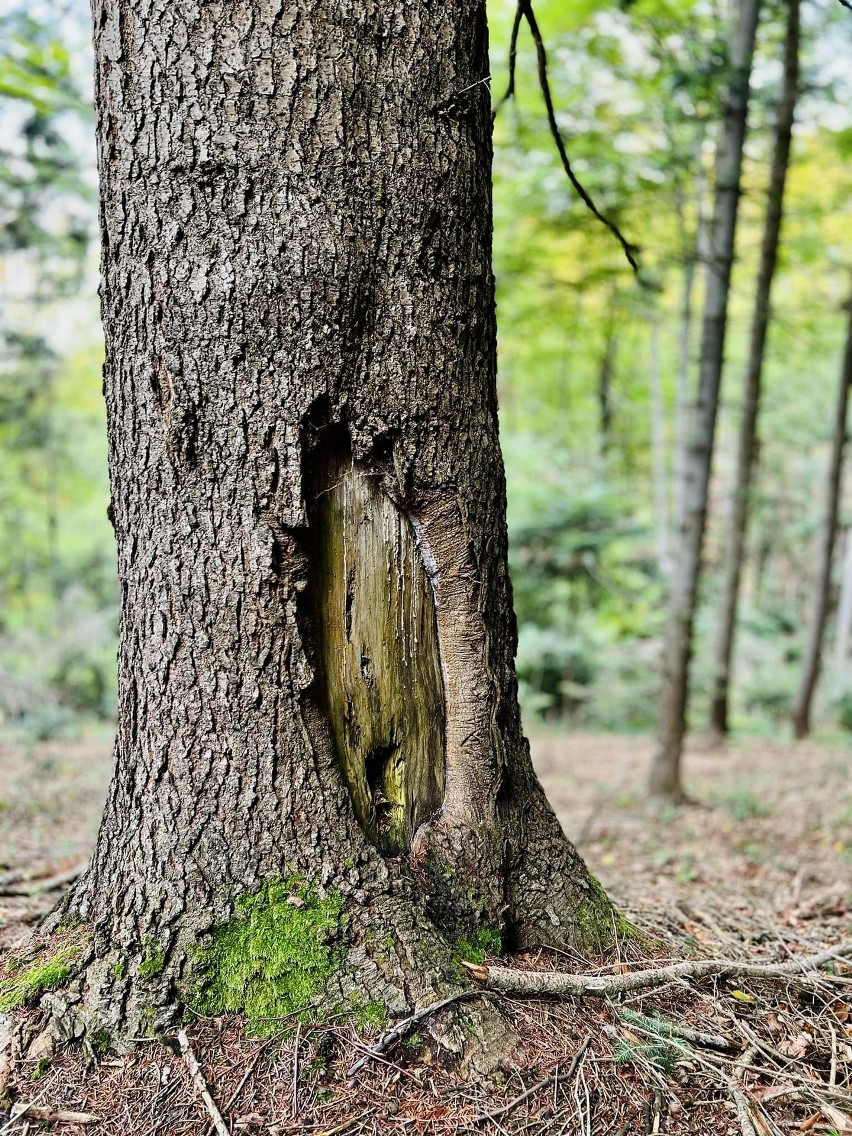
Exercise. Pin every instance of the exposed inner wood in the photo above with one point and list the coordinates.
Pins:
(380, 670)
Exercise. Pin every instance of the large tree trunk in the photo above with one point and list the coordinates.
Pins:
(665, 778)
(822, 588)
(747, 446)
(316, 679)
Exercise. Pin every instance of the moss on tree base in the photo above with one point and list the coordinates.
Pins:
(274, 958)
(46, 967)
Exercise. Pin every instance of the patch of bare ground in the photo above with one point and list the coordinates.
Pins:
(761, 872)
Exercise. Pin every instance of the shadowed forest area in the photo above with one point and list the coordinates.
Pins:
(680, 548)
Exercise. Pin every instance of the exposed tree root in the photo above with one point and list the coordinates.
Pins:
(559, 984)
(399, 1031)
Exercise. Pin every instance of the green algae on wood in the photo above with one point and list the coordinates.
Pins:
(274, 957)
(380, 669)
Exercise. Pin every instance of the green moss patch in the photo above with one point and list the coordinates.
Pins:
(27, 978)
(153, 961)
(483, 942)
(274, 958)
(599, 922)
(364, 1014)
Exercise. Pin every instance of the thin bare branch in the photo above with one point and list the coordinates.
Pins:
(551, 982)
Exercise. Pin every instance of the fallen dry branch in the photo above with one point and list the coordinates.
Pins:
(200, 1084)
(21, 886)
(51, 1115)
(506, 980)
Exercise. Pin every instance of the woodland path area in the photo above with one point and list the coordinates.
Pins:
(762, 866)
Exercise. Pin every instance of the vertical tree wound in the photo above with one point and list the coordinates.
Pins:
(379, 664)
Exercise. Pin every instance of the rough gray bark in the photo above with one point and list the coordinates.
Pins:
(296, 222)
(747, 445)
(677, 644)
(801, 714)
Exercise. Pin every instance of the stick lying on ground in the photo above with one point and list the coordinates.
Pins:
(51, 1115)
(200, 1084)
(22, 886)
(509, 981)
(572, 1069)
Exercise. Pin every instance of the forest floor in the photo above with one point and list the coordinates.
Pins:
(759, 870)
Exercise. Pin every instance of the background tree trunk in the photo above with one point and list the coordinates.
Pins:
(822, 592)
(677, 644)
(726, 624)
(316, 677)
(658, 451)
(844, 620)
(692, 246)
(605, 373)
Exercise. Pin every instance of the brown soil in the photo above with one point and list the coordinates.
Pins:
(761, 869)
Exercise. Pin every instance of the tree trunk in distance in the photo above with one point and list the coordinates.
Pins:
(844, 620)
(319, 740)
(658, 455)
(691, 250)
(735, 545)
(665, 779)
(605, 372)
(822, 596)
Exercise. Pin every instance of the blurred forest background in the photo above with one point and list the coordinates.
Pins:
(598, 366)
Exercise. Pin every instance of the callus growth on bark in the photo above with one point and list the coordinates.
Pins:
(319, 754)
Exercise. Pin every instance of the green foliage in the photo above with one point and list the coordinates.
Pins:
(664, 1050)
(274, 957)
(26, 979)
(587, 594)
(844, 711)
(742, 803)
(660, 1053)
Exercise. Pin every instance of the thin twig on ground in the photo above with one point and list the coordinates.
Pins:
(21, 1111)
(496, 1113)
(200, 1084)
